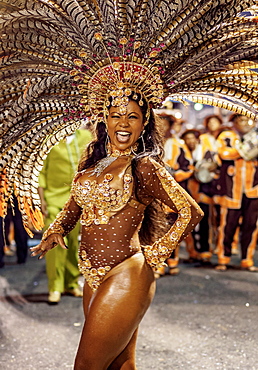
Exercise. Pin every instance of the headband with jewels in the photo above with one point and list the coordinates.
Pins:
(117, 78)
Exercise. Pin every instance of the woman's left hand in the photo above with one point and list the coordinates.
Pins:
(45, 245)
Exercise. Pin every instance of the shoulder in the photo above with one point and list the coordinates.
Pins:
(78, 175)
(148, 165)
(204, 136)
(226, 134)
(226, 131)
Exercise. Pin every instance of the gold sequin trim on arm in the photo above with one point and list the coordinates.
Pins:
(157, 253)
(64, 222)
(55, 227)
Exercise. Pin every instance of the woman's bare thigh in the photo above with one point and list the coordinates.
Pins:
(114, 312)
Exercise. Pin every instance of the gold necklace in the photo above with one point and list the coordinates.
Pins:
(113, 154)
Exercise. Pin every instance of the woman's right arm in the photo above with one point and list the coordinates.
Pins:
(63, 224)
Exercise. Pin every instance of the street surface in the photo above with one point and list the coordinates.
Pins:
(199, 319)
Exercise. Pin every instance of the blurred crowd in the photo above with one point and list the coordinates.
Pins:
(217, 165)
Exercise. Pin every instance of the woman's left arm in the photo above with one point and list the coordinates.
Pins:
(162, 186)
(64, 223)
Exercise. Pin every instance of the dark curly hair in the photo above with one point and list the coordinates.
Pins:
(208, 118)
(193, 131)
(154, 222)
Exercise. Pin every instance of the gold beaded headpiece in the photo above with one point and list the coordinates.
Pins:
(117, 78)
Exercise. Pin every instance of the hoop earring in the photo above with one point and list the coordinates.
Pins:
(107, 144)
(143, 144)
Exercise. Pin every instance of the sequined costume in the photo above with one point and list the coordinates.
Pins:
(111, 210)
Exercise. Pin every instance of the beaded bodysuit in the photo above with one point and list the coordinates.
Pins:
(111, 215)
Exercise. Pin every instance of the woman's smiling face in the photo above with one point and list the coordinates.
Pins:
(125, 129)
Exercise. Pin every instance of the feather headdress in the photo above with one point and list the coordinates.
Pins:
(61, 59)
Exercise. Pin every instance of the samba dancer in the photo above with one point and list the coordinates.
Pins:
(113, 195)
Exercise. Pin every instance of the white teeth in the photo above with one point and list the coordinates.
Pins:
(123, 133)
(123, 136)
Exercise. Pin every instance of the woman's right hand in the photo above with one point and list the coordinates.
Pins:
(46, 245)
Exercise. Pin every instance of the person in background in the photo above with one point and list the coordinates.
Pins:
(189, 182)
(166, 122)
(213, 126)
(10, 245)
(179, 158)
(239, 192)
(202, 184)
(191, 141)
(20, 235)
(55, 184)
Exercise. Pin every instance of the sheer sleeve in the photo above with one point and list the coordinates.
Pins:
(65, 220)
(155, 182)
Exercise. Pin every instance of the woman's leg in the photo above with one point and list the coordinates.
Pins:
(126, 359)
(113, 315)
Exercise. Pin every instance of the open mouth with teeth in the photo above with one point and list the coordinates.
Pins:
(123, 136)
